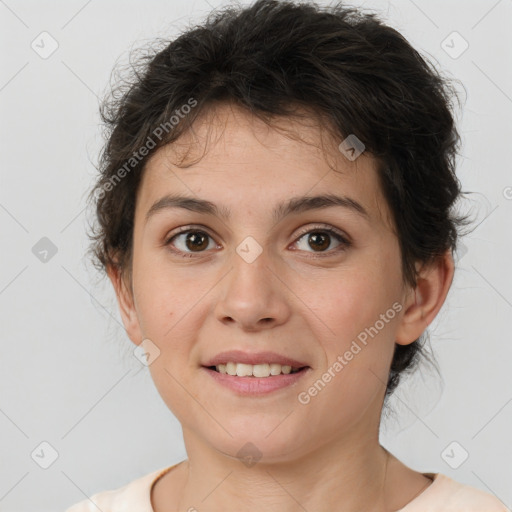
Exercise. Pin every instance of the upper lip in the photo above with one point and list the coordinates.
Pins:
(239, 356)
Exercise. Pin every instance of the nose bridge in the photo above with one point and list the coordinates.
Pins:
(252, 296)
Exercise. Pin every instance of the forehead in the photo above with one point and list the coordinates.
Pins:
(231, 157)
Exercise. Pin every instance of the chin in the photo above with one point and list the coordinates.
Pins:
(263, 443)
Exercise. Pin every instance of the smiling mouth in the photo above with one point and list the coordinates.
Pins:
(264, 370)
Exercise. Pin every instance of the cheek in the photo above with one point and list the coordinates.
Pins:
(359, 317)
(349, 302)
(166, 297)
(357, 353)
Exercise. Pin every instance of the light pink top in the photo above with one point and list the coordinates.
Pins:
(442, 495)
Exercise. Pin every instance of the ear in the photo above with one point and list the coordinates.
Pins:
(425, 300)
(126, 304)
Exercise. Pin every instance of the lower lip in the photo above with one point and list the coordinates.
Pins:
(256, 385)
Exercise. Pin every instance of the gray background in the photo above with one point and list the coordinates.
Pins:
(68, 376)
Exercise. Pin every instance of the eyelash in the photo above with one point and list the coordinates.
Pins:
(344, 242)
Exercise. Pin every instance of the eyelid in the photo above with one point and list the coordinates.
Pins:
(324, 227)
(184, 229)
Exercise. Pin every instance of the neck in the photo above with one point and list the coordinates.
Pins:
(345, 475)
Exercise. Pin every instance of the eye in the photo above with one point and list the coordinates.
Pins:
(321, 238)
(189, 241)
(195, 241)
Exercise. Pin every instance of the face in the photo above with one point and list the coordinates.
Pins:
(311, 284)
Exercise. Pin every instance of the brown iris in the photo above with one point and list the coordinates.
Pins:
(320, 239)
(196, 240)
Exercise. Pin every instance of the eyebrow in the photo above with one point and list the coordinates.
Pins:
(291, 206)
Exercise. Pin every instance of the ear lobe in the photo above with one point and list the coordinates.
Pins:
(126, 304)
(425, 300)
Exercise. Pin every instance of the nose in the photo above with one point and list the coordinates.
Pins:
(253, 296)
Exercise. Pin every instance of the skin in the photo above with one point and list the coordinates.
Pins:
(321, 456)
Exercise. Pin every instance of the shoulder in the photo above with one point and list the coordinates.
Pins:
(448, 495)
(137, 493)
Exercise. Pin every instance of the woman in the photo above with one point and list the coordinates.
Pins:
(275, 213)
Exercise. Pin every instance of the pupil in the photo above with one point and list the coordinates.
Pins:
(193, 238)
(314, 238)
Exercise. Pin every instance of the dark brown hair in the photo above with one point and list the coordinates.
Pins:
(270, 58)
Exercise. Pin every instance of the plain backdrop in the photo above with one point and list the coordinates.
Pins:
(72, 395)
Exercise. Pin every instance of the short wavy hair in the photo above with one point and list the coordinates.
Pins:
(271, 57)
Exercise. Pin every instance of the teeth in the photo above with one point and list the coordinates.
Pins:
(256, 370)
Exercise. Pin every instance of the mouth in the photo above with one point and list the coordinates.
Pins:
(258, 380)
(255, 373)
(263, 370)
